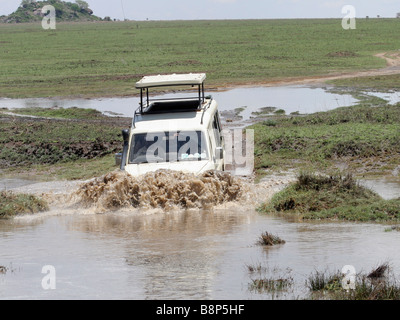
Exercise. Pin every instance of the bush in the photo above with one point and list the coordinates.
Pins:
(337, 197)
(13, 204)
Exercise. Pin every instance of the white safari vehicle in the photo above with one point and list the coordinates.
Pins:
(181, 133)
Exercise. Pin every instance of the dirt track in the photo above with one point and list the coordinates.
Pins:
(393, 67)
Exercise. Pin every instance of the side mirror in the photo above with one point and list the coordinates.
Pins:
(219, 153)
(125, 135)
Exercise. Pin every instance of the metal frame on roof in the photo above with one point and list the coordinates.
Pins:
(190, 79)
(171, 80)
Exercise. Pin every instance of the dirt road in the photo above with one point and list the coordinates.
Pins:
(393, 67)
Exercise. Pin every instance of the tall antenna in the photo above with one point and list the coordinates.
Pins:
(123, 11)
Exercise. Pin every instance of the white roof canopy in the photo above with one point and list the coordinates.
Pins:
(171, 80)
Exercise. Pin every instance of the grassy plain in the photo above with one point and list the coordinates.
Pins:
(374, 83)
(107, 58)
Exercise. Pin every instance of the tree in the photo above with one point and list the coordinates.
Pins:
(83, 5)
(25, 3)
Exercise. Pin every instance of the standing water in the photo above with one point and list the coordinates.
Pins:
(300, 99)
(103, 248)
(171, 243)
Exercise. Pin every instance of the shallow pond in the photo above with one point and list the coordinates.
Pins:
(391, 97)
(300, 99)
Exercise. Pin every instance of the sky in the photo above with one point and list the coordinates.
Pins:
(229, 9)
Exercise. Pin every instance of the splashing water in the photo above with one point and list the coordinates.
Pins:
(163, 189)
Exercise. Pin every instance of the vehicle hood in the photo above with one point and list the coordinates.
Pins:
(195, 167)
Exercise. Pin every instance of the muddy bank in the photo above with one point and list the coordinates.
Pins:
(27, 141)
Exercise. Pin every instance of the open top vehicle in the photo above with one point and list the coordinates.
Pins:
(180, 133)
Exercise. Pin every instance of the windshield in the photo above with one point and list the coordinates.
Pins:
(168, 147)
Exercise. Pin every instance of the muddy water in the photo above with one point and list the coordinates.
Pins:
(387, 188)
(136, 252)
(181, 255)
(102, 248)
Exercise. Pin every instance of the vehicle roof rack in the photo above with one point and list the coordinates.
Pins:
(188, 79)
(171, 80)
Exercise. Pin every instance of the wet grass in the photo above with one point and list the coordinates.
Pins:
(12, 204)
(337, 197)
(379, 284)
(81, 169)
(319, 281)
(271, 281)
(60, 113)
(63, 144)
(392, 228)
(374, 83)
(80, 140)
(269, 239)
(105, 59)
(270, 285)
(364, 137)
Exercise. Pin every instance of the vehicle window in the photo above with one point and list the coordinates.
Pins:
(168, 147)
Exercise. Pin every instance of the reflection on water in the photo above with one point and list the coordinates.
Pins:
(391, 97)
(181, 255)
(289, 98)
(302, 99)
(386, 188)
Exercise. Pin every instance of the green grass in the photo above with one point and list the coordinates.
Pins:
(61, 113)
(365, 136)
(269, 239)
(270, 285)
(107, 58)
(74, 144)
(29, 142)
(331, 197)
(327, 285)
(15, 204)
(80, 169)
(375, 83)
